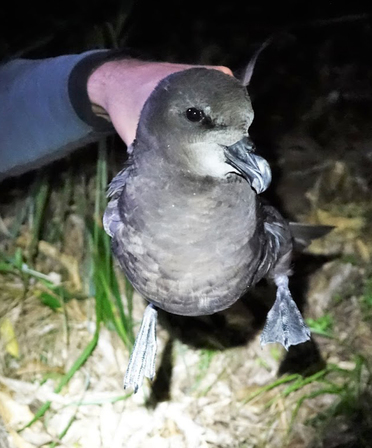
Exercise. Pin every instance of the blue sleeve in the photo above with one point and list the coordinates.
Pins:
(40, 120)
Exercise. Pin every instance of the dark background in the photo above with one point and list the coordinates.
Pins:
(318, 68)
(189, 31)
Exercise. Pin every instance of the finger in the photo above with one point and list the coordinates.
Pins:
(225, 70)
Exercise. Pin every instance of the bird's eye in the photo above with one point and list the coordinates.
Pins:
(194, 114)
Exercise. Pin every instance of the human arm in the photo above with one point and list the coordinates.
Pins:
(50, 107)
(38, 120)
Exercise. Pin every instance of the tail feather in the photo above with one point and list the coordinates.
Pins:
(304, 234)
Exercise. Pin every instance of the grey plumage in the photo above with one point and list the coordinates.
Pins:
(187, 225)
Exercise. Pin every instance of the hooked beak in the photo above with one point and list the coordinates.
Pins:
(254, 168)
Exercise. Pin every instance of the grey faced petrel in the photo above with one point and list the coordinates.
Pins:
(187, 223)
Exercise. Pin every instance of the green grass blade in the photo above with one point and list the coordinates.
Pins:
(301, 381)
(40, 203)
(273, 385)
(66, 378)
(104, 280)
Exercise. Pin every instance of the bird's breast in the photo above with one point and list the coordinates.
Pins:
(187, 247)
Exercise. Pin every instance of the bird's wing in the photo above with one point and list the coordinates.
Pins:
(277, 243)
(111, 217)
(118, 183)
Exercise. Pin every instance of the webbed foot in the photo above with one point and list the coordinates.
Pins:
(142, 360)
(284, 321)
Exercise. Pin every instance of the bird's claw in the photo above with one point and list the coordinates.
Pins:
(142, 360)
(284, 321)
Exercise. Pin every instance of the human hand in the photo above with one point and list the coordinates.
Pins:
(119, 89)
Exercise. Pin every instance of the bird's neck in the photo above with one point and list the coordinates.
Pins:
(181, 171)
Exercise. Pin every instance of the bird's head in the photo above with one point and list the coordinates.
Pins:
(198, 120)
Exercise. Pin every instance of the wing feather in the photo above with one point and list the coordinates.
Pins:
(111, 217)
